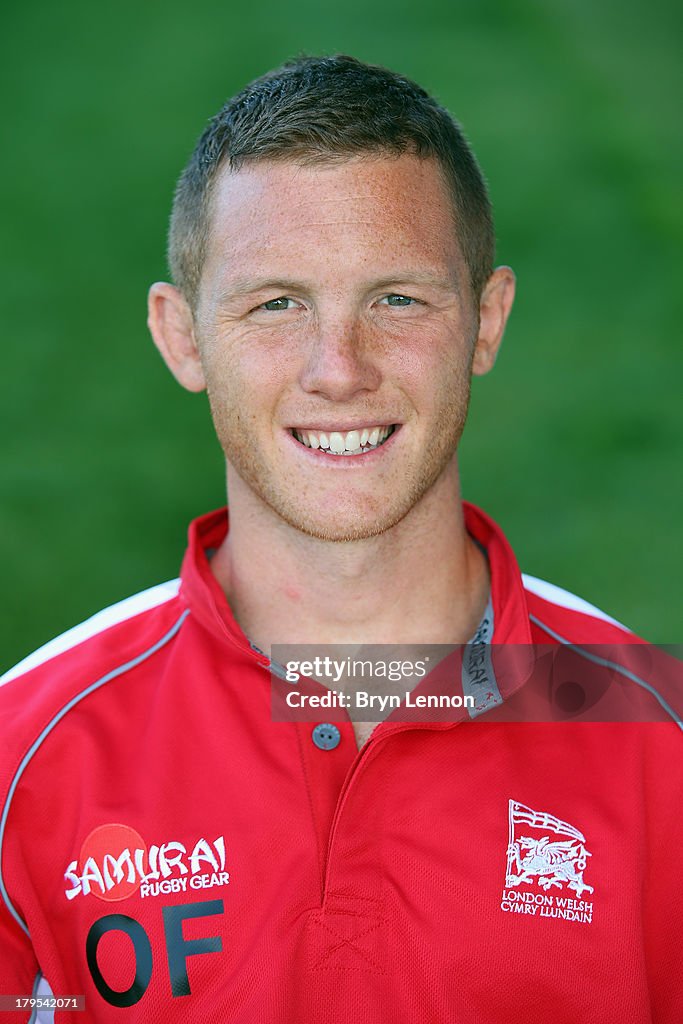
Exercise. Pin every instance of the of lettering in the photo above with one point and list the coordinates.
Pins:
(178, 949)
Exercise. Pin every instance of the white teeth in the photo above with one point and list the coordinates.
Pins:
(337, 442)
(353, 442)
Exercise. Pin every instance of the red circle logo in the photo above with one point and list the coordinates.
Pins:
(108, 853)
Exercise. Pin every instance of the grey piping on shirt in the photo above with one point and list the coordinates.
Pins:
(34, 992)
(41, 988)
(133, 663)
(597, 660)
(33, 1019)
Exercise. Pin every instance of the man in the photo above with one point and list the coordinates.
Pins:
(172, 852)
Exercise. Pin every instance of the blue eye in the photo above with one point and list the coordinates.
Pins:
(275, 305)
(398, 300)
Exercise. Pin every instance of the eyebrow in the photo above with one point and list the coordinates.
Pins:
(417, 277)
(249, 286)
(246, 286)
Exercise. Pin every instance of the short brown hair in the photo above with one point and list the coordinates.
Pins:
(316, 109)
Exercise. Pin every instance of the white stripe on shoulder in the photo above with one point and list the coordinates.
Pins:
(97, 623)
(565, 599)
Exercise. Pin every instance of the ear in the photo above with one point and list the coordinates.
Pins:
(494, 309)
(172, 327)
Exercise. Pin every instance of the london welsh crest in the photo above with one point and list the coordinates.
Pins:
(535, 856)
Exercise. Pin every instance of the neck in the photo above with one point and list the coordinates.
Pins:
(423, 581)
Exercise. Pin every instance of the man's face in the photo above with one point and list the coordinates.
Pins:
(335, 313)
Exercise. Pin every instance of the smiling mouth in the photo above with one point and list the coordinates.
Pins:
(351, 442)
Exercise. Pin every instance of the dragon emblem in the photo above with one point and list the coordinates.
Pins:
(552, 864)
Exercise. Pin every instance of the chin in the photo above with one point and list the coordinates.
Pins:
(342, 528)
(340, 534)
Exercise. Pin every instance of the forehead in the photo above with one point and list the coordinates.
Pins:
(354, 211)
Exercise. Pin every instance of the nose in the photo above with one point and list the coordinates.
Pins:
(340, 362)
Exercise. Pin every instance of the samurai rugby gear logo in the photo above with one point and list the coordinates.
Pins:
(545, 853)
(115, 862)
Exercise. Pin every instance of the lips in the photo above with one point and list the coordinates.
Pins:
(351, 442)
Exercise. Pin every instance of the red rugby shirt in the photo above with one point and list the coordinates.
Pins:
(173, 854)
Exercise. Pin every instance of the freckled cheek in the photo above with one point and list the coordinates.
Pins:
(248, 361)
(245, 391)
(428, 368)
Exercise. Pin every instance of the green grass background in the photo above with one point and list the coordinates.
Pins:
(574, 442)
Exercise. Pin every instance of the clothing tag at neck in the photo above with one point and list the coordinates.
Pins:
(478, 678)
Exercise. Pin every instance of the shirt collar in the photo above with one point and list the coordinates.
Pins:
(510, 613)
